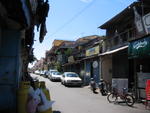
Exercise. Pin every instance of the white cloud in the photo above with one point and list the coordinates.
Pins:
(86, 1)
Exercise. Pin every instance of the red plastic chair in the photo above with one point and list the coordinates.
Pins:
(147, 89)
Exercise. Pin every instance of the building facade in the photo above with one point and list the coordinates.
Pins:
(16, 41)
(125, 51)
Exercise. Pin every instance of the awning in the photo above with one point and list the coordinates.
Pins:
(113, 51)
(90, 57)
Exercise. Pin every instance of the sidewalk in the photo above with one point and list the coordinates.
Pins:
(136, 105)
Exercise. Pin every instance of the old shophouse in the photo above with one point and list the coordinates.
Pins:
(125, 51)
(91, 59)
(63, 51)
(71, 56)
(114, 57)
(139, 47)
(83, 57)
(51, 56)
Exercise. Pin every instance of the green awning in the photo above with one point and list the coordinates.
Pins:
(139, 48)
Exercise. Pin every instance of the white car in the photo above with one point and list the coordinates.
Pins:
(37, 72)
(41, 72)
(50, 73)
(56, 76)
(71, 78)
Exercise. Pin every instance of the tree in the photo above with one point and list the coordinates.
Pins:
(59, 67)
(68, 52)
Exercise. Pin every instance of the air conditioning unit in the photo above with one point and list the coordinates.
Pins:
(146, 22)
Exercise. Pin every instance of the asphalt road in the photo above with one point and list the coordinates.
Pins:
(82, 100)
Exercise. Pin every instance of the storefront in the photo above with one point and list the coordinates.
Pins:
(139, 52)
(114, 64)
(91, 63)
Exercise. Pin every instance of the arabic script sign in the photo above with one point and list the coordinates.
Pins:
(139, 48)
(140, 44)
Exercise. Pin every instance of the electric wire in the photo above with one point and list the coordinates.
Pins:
(73, 18)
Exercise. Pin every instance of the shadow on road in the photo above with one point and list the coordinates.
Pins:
(56, 112)
(139, 106)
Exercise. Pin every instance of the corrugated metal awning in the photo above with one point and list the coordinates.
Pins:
(113, 51)
(90, 57)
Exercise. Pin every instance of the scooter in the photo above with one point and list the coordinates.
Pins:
(93, 85)
(102, 88)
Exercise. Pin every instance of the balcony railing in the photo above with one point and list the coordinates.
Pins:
(78, 53)
(119, 39)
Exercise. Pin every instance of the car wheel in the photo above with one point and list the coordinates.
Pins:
(64, 83)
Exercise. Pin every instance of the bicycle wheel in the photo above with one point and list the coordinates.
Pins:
(111, 98)
(129, 99)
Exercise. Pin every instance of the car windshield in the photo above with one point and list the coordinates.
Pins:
(56, 73)
(72, 75)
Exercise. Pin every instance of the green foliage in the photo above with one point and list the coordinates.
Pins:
(68, 52)
(57, 52)
(59, 67)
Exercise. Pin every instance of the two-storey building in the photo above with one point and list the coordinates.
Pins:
(139, 47)
(124, 54)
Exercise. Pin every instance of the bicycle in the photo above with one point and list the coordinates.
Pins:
(125, 96)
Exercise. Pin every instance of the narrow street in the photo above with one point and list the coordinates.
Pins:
(82, 100)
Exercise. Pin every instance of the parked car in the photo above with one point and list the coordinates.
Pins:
(56, 76)
(71, 79)
(46, 74)
(50, 73)
(41, 73)
(37, 72)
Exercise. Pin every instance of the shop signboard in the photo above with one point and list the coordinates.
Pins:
(92, 51)
(138, 22)
(139, 48)
(146, 21)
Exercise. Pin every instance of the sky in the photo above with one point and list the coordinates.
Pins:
(73, 19)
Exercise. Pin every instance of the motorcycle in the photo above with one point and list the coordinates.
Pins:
(93, 85)
(102, 87)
